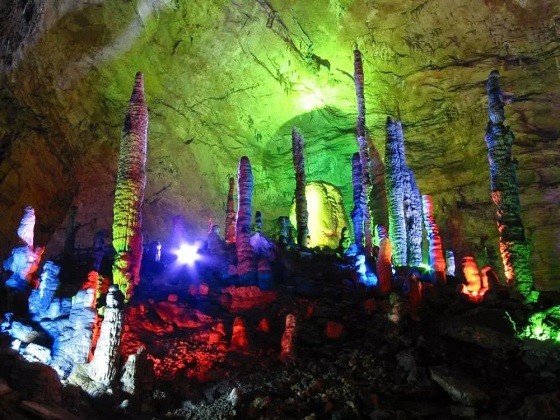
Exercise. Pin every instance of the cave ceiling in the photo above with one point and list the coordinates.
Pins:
(225, 79)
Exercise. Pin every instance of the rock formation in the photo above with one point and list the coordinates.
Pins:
(357, 213)
(384, 266)
(230, 214)
(299, 196)
(504, 189)
(477, 285)
(41, 298)
(239, 335)
(129, 192)
(104, 365)
(412, 203)
(288, 343)
(435, 248)
(363, 147)
(25, 259)
(246, 269)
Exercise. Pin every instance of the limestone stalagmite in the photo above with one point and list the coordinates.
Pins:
(514, 247)
(394, 184)
(288, 343)
(363, 151)
(129, 192)
(104, 364)
(357, 213)
(384, 267)
(300, 198)
(230, 214)
(435, 249)
(413, 218)
(246, 264)
(27, 226)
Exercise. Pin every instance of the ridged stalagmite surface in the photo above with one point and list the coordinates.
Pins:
(384, 267)
(301, 201)
(230, 214)
(413, 218)
(246, 264)
(129, 193)
(394, 184)
(104, 365)
(363, 146)
(435, 248)
(514, 248)
(357, 213)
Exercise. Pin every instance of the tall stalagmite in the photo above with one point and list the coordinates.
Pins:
(413, 219)
(246, 264)
(394, 185)
(384, 267)
(514, 247)
(435, 248)
(357, 213)
(363, 150)
(230, 214)
(301, 201)
(129, 193)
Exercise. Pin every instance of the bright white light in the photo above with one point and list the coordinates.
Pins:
(187, 254)
(428, 267)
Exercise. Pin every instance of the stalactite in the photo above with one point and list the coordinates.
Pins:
(357, 213)
(98, 249)
(413, 218)
(129, 192)
(384, 267)
(514, 247)
(363, 151)
(394, 185)
(246, 264)
(230, 214)
(301, 201)
(435, 248)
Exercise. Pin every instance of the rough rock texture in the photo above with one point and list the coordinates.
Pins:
(230, 214)
(435, 249)
(246, 263)
(129, 192)
(302, 214)
(228, 80)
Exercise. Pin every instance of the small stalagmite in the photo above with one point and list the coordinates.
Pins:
(384, 266)
(435, 248)
(477, 285)
(104, 365)
(246, 264)
(300, 198)
(230, 214)
(239, 335)
(288, 343)
(129, 192)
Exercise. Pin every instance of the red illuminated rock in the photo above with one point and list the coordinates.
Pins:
(264, 325)
(476, 286)
(384, 266)
(435, 248)
(333, 329)
(288, 343)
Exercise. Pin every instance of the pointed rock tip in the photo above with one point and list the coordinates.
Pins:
(494, 73)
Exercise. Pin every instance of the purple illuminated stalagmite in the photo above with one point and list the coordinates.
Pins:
(363, 150)
(230, 214)
(394, 185)
(435, 248)
(357, 213)
(514, 247)
(301, 201)
(129, 192)
(246, 264)
(412, 203)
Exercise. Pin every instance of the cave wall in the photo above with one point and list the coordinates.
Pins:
(227, 79)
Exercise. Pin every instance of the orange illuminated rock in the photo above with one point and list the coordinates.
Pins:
(477, 285)
(384, 266)
(239, 335)
(369, 306)
(264, 325)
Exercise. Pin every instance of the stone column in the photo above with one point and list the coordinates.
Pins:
(435, 248)
(301, 201)
(230, 214)
(514, 248)
(246, 264)
(129, 192)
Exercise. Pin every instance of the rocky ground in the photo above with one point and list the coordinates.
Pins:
(447, 358)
